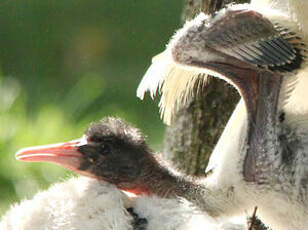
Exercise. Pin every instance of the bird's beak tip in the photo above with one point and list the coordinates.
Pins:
(64, 154)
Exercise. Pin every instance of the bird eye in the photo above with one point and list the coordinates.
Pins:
(96, 139)
(104, 148)
(89, 151)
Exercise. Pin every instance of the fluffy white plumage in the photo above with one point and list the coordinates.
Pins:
(77, 204)
(86, 204)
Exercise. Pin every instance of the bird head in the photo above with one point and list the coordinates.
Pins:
(110, 150)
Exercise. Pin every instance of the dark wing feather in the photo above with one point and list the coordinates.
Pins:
(248, 36)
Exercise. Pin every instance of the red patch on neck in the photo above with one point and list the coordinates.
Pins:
(138, 191)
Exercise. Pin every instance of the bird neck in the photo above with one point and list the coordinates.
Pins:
(263, 126)
(212, 200)
(169, 184)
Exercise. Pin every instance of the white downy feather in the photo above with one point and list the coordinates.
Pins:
(87, 204)
(77, 204)
(155, 75)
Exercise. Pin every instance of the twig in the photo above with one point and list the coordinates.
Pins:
(253, 219)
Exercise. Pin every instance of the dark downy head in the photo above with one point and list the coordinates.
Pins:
(110, 150)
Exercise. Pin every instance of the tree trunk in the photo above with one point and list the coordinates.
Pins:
(196, 128)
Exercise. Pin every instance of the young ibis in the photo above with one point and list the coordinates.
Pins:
(113, 151)
(116, 152)
(261, 158)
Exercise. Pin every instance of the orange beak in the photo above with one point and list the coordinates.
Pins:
(64, 154)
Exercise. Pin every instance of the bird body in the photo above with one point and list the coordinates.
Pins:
(279, 204)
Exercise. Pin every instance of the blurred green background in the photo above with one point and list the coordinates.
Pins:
(66, 63)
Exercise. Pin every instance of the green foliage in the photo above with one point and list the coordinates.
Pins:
(67, 63)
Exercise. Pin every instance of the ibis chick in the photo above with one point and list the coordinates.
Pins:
(115, 152)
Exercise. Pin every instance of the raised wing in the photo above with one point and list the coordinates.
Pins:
(242, 34)
(250, 37)
(235, 44)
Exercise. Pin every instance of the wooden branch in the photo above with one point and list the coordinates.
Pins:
(197, 127)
